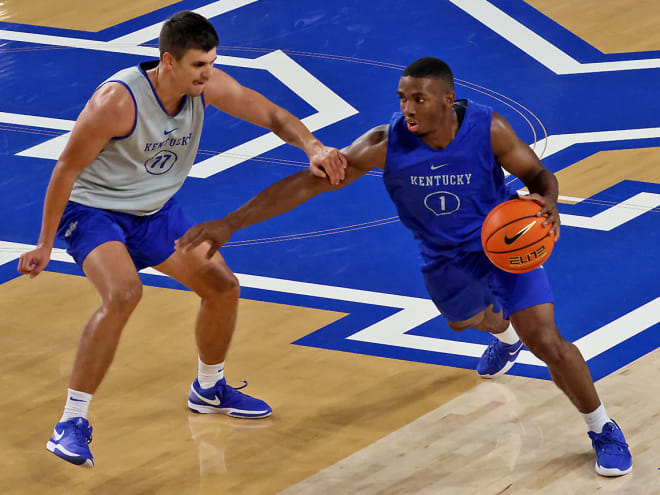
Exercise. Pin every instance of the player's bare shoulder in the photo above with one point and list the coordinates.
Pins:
(221, 90)
(369, 150)
(375, 137)
(502, 136)
(111, 105)
(109, 113)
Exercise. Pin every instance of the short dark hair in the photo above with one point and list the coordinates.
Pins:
(430, 67)
(186, 30)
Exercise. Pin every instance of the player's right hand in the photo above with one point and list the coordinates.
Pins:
(33, 262)
(549, 210)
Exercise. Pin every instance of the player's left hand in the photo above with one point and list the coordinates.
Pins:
(328, 162)
(549, 209)
(215, 232)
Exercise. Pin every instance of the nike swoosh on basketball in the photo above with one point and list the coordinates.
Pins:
(57, 436)
(436, 167)
(510, 240)
(214, 402)
(168, 132)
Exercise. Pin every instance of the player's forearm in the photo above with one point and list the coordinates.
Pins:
(57, 195)
(276, 199)
(545, 184)
(292, 131)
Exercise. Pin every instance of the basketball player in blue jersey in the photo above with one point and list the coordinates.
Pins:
(442, 165)
(110, 199)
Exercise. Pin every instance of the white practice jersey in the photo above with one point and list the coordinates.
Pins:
(140, 172)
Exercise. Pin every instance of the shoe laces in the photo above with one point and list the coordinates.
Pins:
(491, 354)
(235, 389)
(606, 441)
(83, 433)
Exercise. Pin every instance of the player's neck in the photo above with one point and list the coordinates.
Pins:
(170, 98)
(444, 133)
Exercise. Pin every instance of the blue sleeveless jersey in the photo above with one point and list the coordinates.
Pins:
(443, 196)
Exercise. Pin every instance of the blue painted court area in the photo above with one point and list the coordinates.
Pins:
(351, 238)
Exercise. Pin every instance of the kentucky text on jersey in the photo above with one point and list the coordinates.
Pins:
(171, 142)
(443, 195)
(440, 180)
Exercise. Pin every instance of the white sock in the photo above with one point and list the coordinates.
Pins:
(508, 336)
(76, 406)
(596, 419)
(209, 374)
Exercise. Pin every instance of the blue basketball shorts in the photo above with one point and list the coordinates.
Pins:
(468, 283)
(149, 239)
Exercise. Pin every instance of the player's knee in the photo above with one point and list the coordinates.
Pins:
(475, 321)
(224, 286)
(459, 326)
(124, 297)
(549, 347)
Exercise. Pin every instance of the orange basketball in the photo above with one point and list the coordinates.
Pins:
(514, 238)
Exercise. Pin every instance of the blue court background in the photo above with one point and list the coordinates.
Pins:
(358, 49)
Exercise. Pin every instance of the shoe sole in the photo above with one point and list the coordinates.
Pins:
(611, 472)
(234, 413)
(506, 368)
(52, 447)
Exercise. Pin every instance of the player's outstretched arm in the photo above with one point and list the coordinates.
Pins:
(516, 157)
(366, 153)
(225, 93)
(109, 113)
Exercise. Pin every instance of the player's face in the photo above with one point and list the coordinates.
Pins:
(425, 103)
(194, 70)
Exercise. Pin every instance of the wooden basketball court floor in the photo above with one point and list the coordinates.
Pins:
(342, 423)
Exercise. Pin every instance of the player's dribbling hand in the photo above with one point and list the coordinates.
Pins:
(33, 262)
(328, 162)
(215, 232)
(549, 208)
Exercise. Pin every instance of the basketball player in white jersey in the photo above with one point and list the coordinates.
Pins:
(110, 197)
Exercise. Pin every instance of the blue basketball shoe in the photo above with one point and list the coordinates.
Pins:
(71, 440)
(612, 454)
(223, 399)
(498, 358)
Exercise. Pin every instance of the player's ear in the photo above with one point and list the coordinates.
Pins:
(167, 59)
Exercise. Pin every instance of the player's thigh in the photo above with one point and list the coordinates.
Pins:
(519, 291)
(111, 270)
(459, 287)
(207, 278)
(150, 239)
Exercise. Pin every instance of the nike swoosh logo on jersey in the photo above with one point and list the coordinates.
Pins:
(57, 436)
(214, 402)
(436, 167)
(168, 132)
(510, 240)
(519, 347)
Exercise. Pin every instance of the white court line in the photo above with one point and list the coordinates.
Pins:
(616, 215)
(34, 121)
(539, 48)
(415, 311)
(209, 11)
(559, 142)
